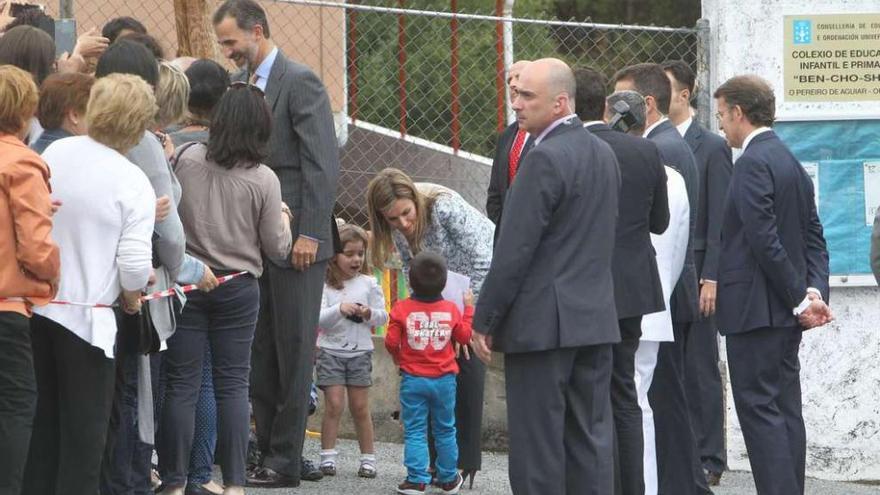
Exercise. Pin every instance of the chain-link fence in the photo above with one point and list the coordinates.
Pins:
(423, 91)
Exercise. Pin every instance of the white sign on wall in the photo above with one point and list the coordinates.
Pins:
(812, 169)
(872, 190)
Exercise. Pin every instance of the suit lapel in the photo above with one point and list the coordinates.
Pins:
(694, 136)
(569, 125)
(273, 85)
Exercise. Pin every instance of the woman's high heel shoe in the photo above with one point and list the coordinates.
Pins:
(469, 473)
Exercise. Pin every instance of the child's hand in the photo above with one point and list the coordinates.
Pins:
(348, 309)
(469, 298)
(365, 312)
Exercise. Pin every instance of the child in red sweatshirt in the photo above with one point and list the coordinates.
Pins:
(420, 338)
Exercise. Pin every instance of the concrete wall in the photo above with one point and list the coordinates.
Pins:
(839, 372)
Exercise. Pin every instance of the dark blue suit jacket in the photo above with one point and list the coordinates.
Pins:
(714, 167)
(643, 209)
(550, 284)
(675, 152)
(772, 247)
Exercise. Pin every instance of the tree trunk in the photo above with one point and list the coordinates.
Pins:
(195, 34)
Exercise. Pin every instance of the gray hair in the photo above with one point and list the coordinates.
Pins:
(636, 104)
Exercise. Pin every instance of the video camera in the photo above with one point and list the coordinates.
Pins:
(623, 119)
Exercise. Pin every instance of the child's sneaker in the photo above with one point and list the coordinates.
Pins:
(368, 466)
(451, 487)
(410, 488)
(328, 462)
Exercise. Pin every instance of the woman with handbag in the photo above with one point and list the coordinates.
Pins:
(232, 214)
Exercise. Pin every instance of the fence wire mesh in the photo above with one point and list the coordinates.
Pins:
(419, 90)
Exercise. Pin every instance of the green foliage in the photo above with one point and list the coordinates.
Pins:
(428, 71)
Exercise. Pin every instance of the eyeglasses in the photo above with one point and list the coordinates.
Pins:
(243, 84)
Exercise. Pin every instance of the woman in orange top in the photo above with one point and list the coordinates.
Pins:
(29, 268)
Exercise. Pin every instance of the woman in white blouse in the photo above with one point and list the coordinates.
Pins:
(103, 228)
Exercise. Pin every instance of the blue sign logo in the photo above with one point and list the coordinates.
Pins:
(803, 32)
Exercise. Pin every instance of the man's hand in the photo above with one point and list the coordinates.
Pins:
(90, 44)
(163, 208)
(304, 252)
(817, 314)
(208, 282)
(131, 301)
(708, 291)
(482, 345)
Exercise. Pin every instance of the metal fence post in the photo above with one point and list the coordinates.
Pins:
(65, 9)
(704, 92)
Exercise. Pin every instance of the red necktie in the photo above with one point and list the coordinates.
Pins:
(515, 152)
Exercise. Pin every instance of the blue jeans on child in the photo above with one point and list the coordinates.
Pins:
(419, 397)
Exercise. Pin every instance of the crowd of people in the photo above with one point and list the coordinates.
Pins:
(619, 241)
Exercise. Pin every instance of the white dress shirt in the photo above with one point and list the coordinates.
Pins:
(261, 75)
(670, 248)
(684, 126)
(104, 229)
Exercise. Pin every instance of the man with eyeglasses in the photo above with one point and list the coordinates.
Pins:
(304, 154)
(772, 284)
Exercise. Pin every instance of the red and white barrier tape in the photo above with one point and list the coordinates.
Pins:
(148, 297)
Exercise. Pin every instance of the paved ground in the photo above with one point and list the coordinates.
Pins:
(491, 481)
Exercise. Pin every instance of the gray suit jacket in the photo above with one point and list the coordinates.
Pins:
(550, 284)
(303, 149)
(714, 167)
(675, 152)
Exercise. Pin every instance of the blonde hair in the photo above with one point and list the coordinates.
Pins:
(18, 99)
(172, 95)
(347, 233)
(120, 107)
(388, 186)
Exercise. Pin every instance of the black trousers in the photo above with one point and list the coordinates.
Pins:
(703, 387)
(705, 393)
(560, 422)
(629, 438)
(282, 362)
(75, 385)
(469, 385)
(678, 462)
(766, 385)
(125, 469)
(225, 317)
(18, 399)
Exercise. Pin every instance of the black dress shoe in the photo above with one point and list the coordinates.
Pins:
(196, 489)
(309, 472)
(265, 477)
(713, 478)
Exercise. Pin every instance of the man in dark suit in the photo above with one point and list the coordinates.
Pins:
(303, 152)
(512, 146)
(642, 209)
(772, 283)
(678, 464)
(548, 300)
(702, 374)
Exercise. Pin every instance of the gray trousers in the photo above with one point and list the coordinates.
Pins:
(282, 361)
(560, 422)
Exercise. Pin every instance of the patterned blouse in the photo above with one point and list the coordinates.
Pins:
(458, 232)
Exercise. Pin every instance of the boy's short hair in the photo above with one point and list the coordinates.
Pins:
(427, 274)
